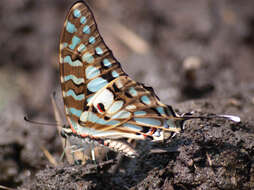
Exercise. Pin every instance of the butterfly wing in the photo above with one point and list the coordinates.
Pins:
(125, 108)
(100, 99)
(86, 63)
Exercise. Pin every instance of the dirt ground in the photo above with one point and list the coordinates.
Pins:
(196, 54)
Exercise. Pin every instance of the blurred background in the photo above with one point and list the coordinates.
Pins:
(185, 50)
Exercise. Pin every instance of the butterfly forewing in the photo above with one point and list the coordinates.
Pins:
(86, 64)
(100, 99)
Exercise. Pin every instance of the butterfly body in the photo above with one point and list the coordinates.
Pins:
(82, 144)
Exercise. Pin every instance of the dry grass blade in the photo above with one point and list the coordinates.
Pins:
(51, 159)
(6, 188)
(65, 143)
(130, 38)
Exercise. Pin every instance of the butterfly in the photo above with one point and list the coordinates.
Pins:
(102, 103)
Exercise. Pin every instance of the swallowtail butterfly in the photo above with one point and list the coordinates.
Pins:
(102, 103)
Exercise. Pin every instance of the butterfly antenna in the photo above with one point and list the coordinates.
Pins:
(231, 117)
(39, 123)
(228, 117)
(188, 116)
(180, 120)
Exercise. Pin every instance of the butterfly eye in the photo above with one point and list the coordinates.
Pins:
(100, 107)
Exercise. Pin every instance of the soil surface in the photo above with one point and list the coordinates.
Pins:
(196, 54)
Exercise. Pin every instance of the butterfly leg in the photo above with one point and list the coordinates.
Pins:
(63, 153)
(93, 155)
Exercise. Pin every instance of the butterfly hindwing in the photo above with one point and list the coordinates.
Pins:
(125, 108)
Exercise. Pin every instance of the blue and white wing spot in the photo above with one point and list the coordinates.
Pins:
(70, 27)
(86, 29)
(88, 116)
(140, 113)
(122, 115)
(75, 112)
(75, 79)
(75, 41)
(115, 74)
(91, 40)
(76, 63)
(83, 20)
(73, 94)
(98, 51)
(148, 121)
(106, 63)
(88, 57)
(116, 106)
(92, 72)
(81, 48)
(133, 92)
(146, 100)
(76, 13)
(97, 84)
(105, 97)
(161, 110)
